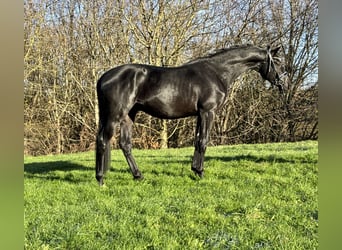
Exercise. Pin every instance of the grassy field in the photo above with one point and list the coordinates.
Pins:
(251, 197)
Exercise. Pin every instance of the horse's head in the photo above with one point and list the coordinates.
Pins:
(272, 69)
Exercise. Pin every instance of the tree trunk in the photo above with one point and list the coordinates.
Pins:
(163, 135)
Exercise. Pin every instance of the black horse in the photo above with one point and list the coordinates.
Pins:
(197, 88)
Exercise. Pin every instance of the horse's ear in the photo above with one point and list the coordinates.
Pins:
(275, 51)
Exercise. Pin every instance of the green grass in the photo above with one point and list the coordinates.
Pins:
(251, 197)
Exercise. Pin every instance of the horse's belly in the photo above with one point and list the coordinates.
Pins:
(169, 110)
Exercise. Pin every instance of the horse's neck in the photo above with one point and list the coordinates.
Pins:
(233, 67)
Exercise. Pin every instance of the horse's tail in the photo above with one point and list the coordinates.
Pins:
(101, 102)
(105, 130)
(103, 155)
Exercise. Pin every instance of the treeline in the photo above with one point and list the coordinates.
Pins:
(68, 44)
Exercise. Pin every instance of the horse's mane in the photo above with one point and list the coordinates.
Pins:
(224, 50)
(220, 51)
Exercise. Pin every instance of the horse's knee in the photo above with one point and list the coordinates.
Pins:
(201, 145)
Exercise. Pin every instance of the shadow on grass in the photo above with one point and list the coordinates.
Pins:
(257, 159)
(184, 159)
(46, 171)
(46, 167)
(187, 159)
(225, 160)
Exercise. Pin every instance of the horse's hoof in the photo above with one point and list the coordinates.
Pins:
(199, 173)
(138, 177)
(99, 180)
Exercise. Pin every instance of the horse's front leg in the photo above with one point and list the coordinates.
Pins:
(126, 146)
(204, 124)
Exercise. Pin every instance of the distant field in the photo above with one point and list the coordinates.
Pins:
(251, 197)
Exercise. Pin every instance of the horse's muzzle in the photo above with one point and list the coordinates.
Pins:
(280, 82)
(280, 87)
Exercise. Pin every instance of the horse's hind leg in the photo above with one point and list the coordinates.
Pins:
(103, 137)
(126, 146)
